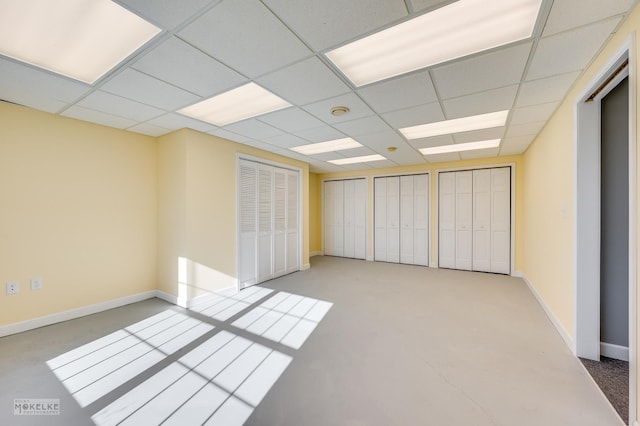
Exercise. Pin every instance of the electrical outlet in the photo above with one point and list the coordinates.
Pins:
(12, 288)
(36, 283)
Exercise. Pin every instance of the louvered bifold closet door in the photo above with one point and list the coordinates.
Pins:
(247, 269)
(380, 219)
(464, 220)
(421, 220)
(279, 222)
(349, 219)
(265, 222)
(482, 220)
(447, 220)
(406, 219)
(501, 220)
(293, 222)
(360, 219)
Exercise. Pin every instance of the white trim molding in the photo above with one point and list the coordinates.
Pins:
(305, 266)
(316, 253)
(568, 340)
(19, 327)
(614, 351)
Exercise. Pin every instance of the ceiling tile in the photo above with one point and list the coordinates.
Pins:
(533, 113)
(322, 109)
(479, 135)
(405, 155)
(175, 62)
(116, 105)
(362, 126)
(291, 120)
(320, 134)
(175, 121)
(285, 141)
(167, 13)
(414, 116)
(570, 51)
(246, 36)
(488, 71)
(25, 85)
(399, 93)
(324, 24)
(515, 145)
(97, 117)
(261, 145)
(545, 90)
(327, 156)
(428, 4)
(481, 103)
(357, 152)
(139, 87)
(567, 14)
(380, 141)
(528, 129)
(230, 136)
(442, 158)
(149, 129)
(480, 153)
(304, 82)
(253, 129)
(431, 142)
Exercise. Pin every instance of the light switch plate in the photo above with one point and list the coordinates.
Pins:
(36, 283)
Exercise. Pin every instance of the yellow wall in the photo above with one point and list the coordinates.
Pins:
(315, 219)
(197, 210)
(78, 209)
(517, 160)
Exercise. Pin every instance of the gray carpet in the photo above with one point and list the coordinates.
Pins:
(612, 375)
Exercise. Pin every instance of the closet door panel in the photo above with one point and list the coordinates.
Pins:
(279, 222)
(501, 220)
(349, 218)
(293, 222)
(265, 222)
(421, 220)
(360, 219)
(247, 270)
(380, 214)
(447, 220)
(393, 219)
(406, 220)
(482, 220)
(338, 219)
(464, 214)
(329, 240)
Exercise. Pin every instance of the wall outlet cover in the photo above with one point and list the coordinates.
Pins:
(12, 288)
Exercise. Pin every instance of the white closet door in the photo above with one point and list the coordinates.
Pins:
(482, 220)
(349, 218)
(360, 218)
(464, 209)
(247, 269)
(338, 219)
(265, 222)
(406, 220)
(380, 219)
(447, 220)
(501, 220)
(279, 222)
(421, 220)
(293, 222)
(329, 242)
(393, 219)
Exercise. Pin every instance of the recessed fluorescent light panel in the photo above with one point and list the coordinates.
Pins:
(459, 29)
(329, 146)
(459, 147)
(249, 100)
(81, 39)
(352, 160)
(465, 124)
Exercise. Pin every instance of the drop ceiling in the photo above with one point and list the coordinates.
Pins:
(209, 47)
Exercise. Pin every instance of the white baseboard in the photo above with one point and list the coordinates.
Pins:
(19, 327)
(305, 266)
(167, 297)
(614, 351)
(568, 340)
(315, 253)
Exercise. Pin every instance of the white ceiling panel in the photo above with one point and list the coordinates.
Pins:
(246, 36)
(442, 158)
(362, 126)
(528, 129)
(285, 141)
(545, 90)
(479, 135)
(253, 129)
(167, 13)
(403, 92)
(418, 5)
(322, 109)
(414, 116)
(480, 153)
(98, 117)
(139, 87)
(481, 103)
(320, 134)
(533, 113)
(261, 145)
(35, 88)
(327, 156)
(175, 62)
(431, 142)
(515, 145)
(569, 51)
(488, 71)
(567, 14)
(176, 121)
(304, 82)
(117, 105)
(149, 129)
(380, 141)
(359, 152)
(291, 120)
(230, 136)
(405, 155)
(324, 24)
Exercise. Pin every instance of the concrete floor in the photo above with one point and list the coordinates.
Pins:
(399, 345)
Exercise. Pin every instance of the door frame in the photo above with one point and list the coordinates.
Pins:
(587, 212)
